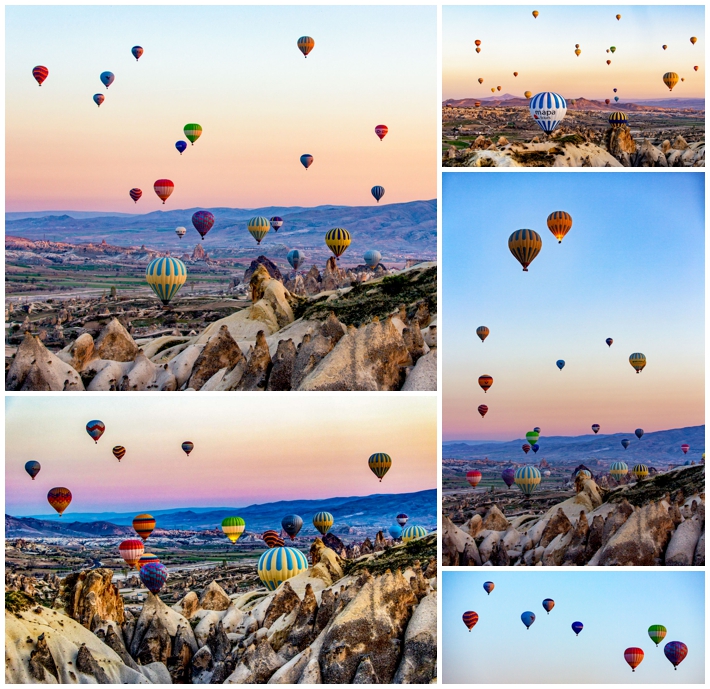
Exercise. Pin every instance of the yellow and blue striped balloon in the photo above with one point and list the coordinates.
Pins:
(412, 533)
(165, 277)
(337, 240)
(616, 119)
(379, 464)
(277, 565)
(619, 470)
(323, 521)
(527, 479)
(640, 471)
(258, 227)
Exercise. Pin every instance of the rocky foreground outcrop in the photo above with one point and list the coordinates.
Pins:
(376, 335)
(657, 521)
(370, 620)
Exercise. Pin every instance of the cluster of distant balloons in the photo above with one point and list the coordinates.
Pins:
(675, 651)
(165, 276)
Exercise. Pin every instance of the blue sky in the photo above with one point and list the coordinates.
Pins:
(631, 268)
(616, 609)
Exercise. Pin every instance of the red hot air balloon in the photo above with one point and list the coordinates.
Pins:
(485, 381)
(135, 194)
(526, 448)
(482, 409)
(474, 477)
(469, 619)
(40, 73)
(203, 221)
(59, 498)
(131, 551)
(163, 188)
(381, 131)
(633, 656)
(272, 539)
(685, 447)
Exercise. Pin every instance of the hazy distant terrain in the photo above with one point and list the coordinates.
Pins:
(581, 103)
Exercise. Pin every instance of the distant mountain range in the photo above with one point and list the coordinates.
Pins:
(371, 511)
(660, 447)
(509, 100)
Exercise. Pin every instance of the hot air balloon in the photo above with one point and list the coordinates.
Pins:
(682, 79)
(469, 619)
(273, 539)
(323, 521)
(525, 245)
(163, 188)
(607, 101)
(685, 447)
(233, 527)
(535, 448)
(478, 50)
(118, 452)
(559, 223)
(277, 565)
(482, 332)
(147, 558)
(609, 341)
(135, 194)
(537, 429)
(59, 498)
(474, 477)
(137, 51)
(40, 73)
(188, 447)
(625, 443)
(616, 119)
(526, 448)
(306, 160)
(203, 222)
(619, 470)
(107, 78)
(528, 618)
(482, 409)
(670, 79)
(640, 471)
(180, 232)
(638, 361)
(633, 656)
(695, 68)
(508, 476)
(381, 131)
(595, 428)
(193, 131)
(548, 110)
(613, 50)
(577, 627)
(639, 433)
(527, 479)
(413, 533)
(258, 227)
(493, 90)
(402, 519)
(337, 240)
(477, 42)
(95, 429)
(99, 98)
(276, 223)
(560, 363)
(153, 575)
(657, 632)
(305, 45)
(577, 52)
(548, 604)
(488, 586)
(675, 652)
(165, 277)
(498, 88)
(477, 104)
(32, 468)
(528, 94)
(608, 62)
(131, 551)
(532, 437)
(372, 258)
(295, 257)
(379, 464)
(515, 74)
(618, 16)
(181, 146)
(485, 381)
(143, 525)
(535, 14)
(292, 524)
(378, 192)
(395, 531)
(665, 47)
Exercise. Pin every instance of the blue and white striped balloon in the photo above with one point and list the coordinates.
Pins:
(548, 110)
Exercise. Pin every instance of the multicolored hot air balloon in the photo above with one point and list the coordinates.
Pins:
(147, 558)
(165, 277)
(135, 194)
(548, 109)
(337, 240)
(528, 618)
(306, 160)
(305, 45)
(180, 232)
(233, 527)
(485, 381)
(639, 433)
(536, 429)
(163, 188)
(482, 409)
(413, 533)
(273, 539)
(276, 223)
(595, 428)
(381, 131)
(137, 51)
(633, 656)
(295, 257)
(95, 429)
(59, 498)
(469, 619)
(181, 146)
(525, 245)
(577, 627)
(32, 468)
(402, 519)
(508, 476)
(143, 525)
(670, 79)
(277, 565)
(323, 521)
(675, 652)
(526, 448)
(379, 464)
(474, 477)
(99, 98)
(532, 437)
(372, 258)
(483, 332)
(118, 452)
(395, 531)
(527, 479)
(638, 361)
(378, 192)
(657, 632)
(560, 363)
(153, 575)
(131, 551)
(203, 222)
(292, 524)
(107, 78)
(685, 447)
(640, 471)
(609, 341)
(488, 586)
(188, 447)
(193, 131)
(559, 223)
(619, 470)
(40, 73)
(258, 227)
(548, 604)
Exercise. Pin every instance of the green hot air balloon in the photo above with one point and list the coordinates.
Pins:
(192, 132)
(532, 437)
(657, 632)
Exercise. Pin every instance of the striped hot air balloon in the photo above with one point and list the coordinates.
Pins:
(193, 132)
(95, 429)
(402, 519)
(233, 527)
(657, 632)
(295, 257)
(633, 656)
(482, 409)
(378, 192)
(131, 551)
(143, 525)
(32, 468)
(163, 188)
(379, 464)
(154, 575)
(273, 539)
(40, 73)
(412, 533)
(188, 447)
(548, 110)
(559, 223)
(203, 222)
(595, 428)
(165, 277)
(548, 604)
(483, 332)
(619, 470)
(135, 194)
(474, 477)
(276, 223)
(323, 521)
(675, 651)
(527, 479)
(616, 119)
(670, 79)
(485, 381)
(147, 558)
(469, 619)
(258, 227)
(584, 473)
(525, 245)
(640, 471)
(526, 448)
(59, 498)
(372, 258)
(118, 452)
(305, 45)
(337, 240)
(277, 565)
(638, 361)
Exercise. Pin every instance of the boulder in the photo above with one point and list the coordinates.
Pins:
(558, 524)
(79, 353)
(683, 543)
(699, 557)
(214, 597)
(418, 663)
(35, 368)
(90, 598)
(188, 605)
(282, 366)
(220, 352)
(115, 344)
(257, 666)
(495, 520)
(283, 602)
(423, 376)
(458, 548)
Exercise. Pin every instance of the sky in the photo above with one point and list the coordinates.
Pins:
(542, 50)
(248, 449)
(631, 268)
(616, 609)
(237, 71)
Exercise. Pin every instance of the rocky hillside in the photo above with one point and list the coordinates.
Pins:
(371, 621)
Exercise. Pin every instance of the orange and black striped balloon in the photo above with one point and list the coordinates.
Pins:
(272, 539)
(59, 498)
(485, 382)
(483, 332)
(469, 619)
(143, 525)
(525, 245)
(118, 452)
(305, 45)
(559, 223)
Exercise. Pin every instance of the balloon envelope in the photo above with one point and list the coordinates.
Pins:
(548, 110)
(188, 447)
(131, 551)
(118, 452)
(40, 73)
(639, 433)
(95, 429)
(233, 527)
(372, 258)
(528, 618)
(137, 51)
(469, 619)
(99, 98)
(483, 332)
(402, 519)
(596, 427)
(633, 656)
(560, 364)
(32, 468)
(657, 632)
(525, 245)
(474, 477)
(675, 652)
(163, 188)
(306, 160)
(379, 464)
(337, 240)
(295, 257)
(135, 194)
(378, 192)
(305, 45)
(165, 277)
(107, 78)
(143, 525)
(381, 131)
(412, 533)
(292, 524)
(488, 586)
(59, 498)
(203, 222)
(395, 531)
(153, 575)
(323, 521)
(193, 131)
(577, 627)
(508, 476)
(277, 565)
(548, 604)
(181, 146)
